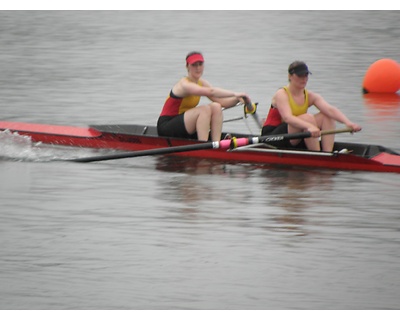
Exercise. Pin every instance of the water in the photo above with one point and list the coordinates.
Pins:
(169, 233)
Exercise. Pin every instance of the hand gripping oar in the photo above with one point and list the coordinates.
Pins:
(223, 144)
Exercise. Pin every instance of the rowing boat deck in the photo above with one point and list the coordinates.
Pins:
(129, 129)
(49, 129)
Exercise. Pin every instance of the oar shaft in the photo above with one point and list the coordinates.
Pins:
(151, 152)
(300, 135)
(223, 144)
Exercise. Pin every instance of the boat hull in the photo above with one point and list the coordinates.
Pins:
(138, 137)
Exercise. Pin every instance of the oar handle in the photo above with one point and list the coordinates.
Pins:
(250, 108)
(347, 129)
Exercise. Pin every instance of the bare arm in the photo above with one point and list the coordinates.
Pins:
(331, 111)
(225, 97)
(281, 102)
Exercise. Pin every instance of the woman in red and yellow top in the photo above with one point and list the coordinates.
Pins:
(182, 117)
(288, 113)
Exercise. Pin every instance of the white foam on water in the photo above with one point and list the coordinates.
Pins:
(16, 147)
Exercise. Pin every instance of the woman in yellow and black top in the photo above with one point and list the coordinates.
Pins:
(288, 113)
(182, 117)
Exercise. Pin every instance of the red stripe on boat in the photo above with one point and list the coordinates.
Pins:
(388, 159)
(50, 129)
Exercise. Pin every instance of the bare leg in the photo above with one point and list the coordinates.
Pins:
(198, 120)
(204, 118)
(326, 123)
(203, 123)
(216, 121)
(311, 143)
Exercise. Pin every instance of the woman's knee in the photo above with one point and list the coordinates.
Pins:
(309, 118)
(331, 121)
(324, 121)
(215, 108)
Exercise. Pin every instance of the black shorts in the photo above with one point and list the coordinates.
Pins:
(281, 129)
(173, 126)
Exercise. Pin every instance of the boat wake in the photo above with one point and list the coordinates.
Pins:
(15, 147)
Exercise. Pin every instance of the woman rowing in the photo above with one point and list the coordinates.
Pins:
(181, 115)
(288, 113)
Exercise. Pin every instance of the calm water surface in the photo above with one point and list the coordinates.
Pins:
(170, 233)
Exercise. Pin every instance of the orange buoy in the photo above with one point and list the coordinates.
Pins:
(383, 76)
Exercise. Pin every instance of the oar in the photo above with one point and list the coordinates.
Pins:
(233, 119)
(252, 110)
(223, 144)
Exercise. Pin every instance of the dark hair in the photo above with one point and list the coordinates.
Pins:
(295, 64)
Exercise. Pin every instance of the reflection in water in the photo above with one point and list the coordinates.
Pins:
(295, 185)
(184, 188)
(382, 105)
(383, 118)
(293, 191)
(195, 184)
(190, 165)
